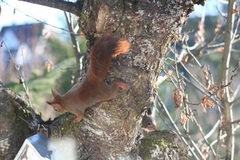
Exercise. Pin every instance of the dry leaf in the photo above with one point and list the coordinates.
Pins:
(206, 102)
(199, 36)
(220, 49)
(183, 119)
(235, 11)
(221, 93)
(214, 88)
(217, 27)
(182, 84)
(206, 77)
(177, 98)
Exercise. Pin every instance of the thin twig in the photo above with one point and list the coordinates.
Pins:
(223, 136)
(200, 89)
(27, 15)
(210, 133)
(22, 82)
(75, 44)
(203, 135)
(72, 7)
(161, 104)
(233, 98)
(190, 74)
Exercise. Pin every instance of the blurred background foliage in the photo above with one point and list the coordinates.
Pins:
(61, 75)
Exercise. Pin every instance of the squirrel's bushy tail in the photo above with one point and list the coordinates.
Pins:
(102, 52)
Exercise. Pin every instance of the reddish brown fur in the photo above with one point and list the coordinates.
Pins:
(93, 89)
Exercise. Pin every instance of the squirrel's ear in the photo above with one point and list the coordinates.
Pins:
(148, 112)
(55, 93)
(50, 102)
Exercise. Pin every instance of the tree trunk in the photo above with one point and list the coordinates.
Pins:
(112, 129)
(13, 129)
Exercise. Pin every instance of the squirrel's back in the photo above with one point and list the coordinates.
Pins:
(102, 52)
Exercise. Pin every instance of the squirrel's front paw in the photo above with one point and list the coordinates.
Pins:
(121, 85)
(124, 86)
(79, 118)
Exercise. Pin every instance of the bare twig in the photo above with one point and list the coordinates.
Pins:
(22, 82)
(223, 136)
(225, 66)
(72, 7)
(45, 23)
(161, 104)
(232, 123)
(235, 100)
(75, 44)
(199, 51)
(210, 133)
(234, 96)
(202, 133)
(194, 57)
(190, 74)
(223, 100)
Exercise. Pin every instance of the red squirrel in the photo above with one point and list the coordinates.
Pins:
(93, 89)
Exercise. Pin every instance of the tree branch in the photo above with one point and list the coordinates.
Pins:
(71, 7)
(225, 66)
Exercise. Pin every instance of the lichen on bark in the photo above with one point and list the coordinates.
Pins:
(162, 145)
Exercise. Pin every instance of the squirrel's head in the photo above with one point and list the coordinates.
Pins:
(55, 103)
(148, 122)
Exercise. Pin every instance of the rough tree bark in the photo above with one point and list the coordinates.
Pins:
(13, 131)
(111, 130)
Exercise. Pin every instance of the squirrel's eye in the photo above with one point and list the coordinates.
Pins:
(56, 109)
